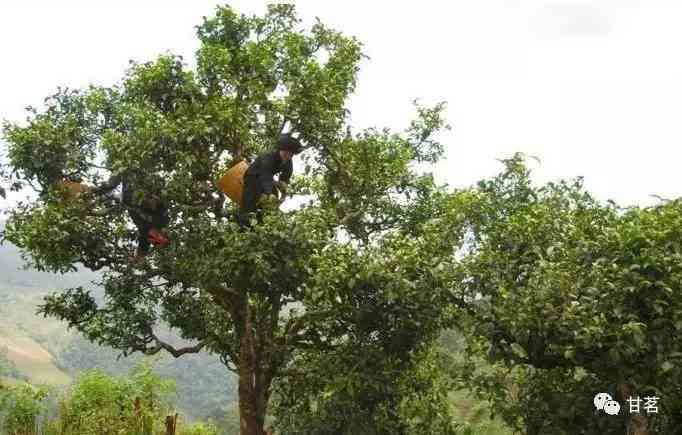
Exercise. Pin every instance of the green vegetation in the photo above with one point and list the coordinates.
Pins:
(137, 404)
(203, 390)
(569, 297)
(43, 351)
(20, 407)
(386, 304)
(222, 289)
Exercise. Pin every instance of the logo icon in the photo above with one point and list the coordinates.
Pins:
(600, 400)
(612, 407)
(604, 402)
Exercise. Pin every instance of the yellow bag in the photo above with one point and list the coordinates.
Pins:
(71, 189)
(232, 183)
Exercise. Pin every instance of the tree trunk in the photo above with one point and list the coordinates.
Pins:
(638, 423)
(250, 418)
(171, 424)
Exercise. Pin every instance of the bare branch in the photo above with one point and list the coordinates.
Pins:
(228, 358)
(162, 345)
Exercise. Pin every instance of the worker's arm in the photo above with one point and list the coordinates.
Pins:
(285, 176)
(108, 185)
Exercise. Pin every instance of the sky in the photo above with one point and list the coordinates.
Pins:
(592, 88)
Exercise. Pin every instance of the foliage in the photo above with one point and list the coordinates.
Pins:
(337, 303)
(20, 408)
(199, 429)
(386, 303)
(570, 297)
(362, 391)
(136, 404)
(361, 240)
(203, 388)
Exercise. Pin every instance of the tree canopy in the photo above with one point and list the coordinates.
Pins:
(310, 278)
(571, 297)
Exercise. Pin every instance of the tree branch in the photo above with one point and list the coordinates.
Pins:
(228, 358)
(162, 345)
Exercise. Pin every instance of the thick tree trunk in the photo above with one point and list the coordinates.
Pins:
(255, 368)
(256, 361)
(250, 422)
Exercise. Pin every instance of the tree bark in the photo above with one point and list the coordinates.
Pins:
(638, 423)
(251, 408)
(248, 413)
(171, 424)
(258, 358)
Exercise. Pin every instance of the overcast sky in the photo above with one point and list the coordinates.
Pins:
(593, 88)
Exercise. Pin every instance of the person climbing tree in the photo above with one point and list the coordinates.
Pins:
(259, 182)
(148, 210)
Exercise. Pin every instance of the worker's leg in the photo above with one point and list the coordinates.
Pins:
(143, 226)
(143, 244)
(160, 220)
(250, 196)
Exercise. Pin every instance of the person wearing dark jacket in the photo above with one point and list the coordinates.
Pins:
(148, 211)
(259, 182)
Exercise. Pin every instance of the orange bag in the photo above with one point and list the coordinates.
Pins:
(232, 183)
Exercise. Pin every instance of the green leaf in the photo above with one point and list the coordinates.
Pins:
(519, 350)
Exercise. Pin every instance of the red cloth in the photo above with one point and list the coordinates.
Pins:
(156, 237)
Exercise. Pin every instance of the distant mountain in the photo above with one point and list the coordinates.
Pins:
(13, 276)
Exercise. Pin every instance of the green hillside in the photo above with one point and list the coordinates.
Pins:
(32, 359)
(30, 341)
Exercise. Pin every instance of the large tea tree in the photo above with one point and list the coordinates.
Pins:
(571, 297)
(296, 281)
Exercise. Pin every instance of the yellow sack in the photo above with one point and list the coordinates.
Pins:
(232, 183)
(71, 189)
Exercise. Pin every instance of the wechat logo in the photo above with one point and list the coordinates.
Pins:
(604, 402)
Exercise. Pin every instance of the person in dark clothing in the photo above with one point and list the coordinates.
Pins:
(148, 211)
(149, 219)
(259, 182)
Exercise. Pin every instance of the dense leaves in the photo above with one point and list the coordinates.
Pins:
(572, 297)
(352, 266)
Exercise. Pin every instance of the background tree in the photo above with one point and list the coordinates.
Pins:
(572, 297)
(255, 297)
(363, 389)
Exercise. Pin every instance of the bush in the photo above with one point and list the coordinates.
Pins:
(199, 429)
(20, 408)
(110, 405)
